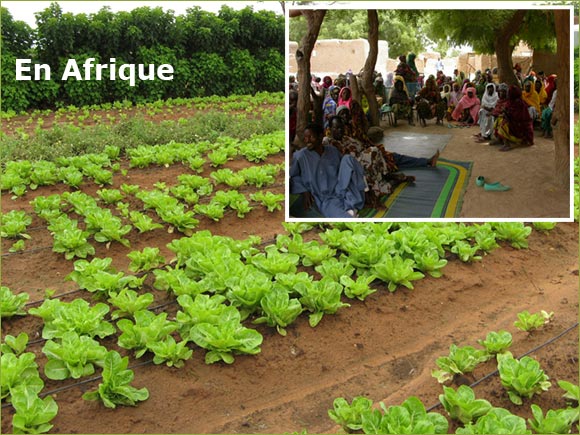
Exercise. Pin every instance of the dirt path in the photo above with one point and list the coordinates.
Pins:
(528, 171)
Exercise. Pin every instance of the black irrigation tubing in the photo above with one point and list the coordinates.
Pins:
(496, 371)
(77, 384)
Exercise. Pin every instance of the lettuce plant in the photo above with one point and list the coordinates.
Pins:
(78, 316)
(496, 421)
(522, 378)
(110, 196)
(334, 269)
(224, 339)
(544, 226)
(465, 251)
(15, 345)
(320, 297)
(129, 302)
(349, 416)
(145, 260)
(528, 322)
(555, 420)
(47, 207)
(176, 281)
(115, 388)
(44, 173)
(408, 418)
(196, 163)
(212, 210)
(461, 405)
(170, 352)
(14, 223)
(143, 222)
(33, 414)
(73, 357)
(98, 276)
(106, 227)
(573, 393)
(19, 371)
(274, 262)
(485, 238)
(278, 309)
(245, 291)
(12, 304)
(147, 329)
(516, 233)
(71, 176)
(71, 240)
(185, 193)
(360, 288)
(428, 261)
(17, 246)
(460, 360)
(394, 270)
(270, 200)
(496, 342)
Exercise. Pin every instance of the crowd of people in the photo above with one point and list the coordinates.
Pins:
(340, 169)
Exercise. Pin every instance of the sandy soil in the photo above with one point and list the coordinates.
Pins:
(528, 171)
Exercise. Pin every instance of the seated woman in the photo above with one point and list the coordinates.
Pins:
(467, 110)
(514, 126)
(345, 97)
(547, 116)
(429, 103)
(488, 102)
(532, 99)
(400, 101)
(454, 97)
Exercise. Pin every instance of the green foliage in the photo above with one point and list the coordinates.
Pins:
(12, 304)
(73, 357)
(19, 373)
(145, 260)
(78, 316)
(15, 345)
(496, 342)
(349, 416)
(14, 223)
(129, 302)
(522, 378)
(320, 297)
(115, 388)
(146, 330)
(555, 420)
(496, 421)
(279, 310)
(408, 418)
(461, 405)
(528, 322)
(33, 414)
(460, 360)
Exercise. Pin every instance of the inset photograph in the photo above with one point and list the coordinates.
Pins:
(430, 113)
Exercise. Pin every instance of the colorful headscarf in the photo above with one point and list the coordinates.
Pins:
(341, 100)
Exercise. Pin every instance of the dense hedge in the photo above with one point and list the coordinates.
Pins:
(231, 52)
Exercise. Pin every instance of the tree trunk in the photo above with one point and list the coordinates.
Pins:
(314, 19)
(562, 109)
(369, 67)
(504, 50)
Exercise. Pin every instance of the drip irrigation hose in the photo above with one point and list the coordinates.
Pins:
(495, 372)
(76, 384)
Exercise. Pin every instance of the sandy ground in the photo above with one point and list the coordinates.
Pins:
(528, 171)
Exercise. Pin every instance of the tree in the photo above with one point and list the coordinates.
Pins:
(369, 67)
(561, 113)
(314, 20)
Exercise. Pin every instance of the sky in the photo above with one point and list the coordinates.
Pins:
(24, 10)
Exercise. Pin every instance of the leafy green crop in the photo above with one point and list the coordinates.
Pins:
(15, 345)
(246, 290)
(360, 288)
(115, 388)
(522, 378)
(514, 232)
(170, 352)
(129, 302)
(69, 239)
(529, 322)
(496, 342)
(11, 304)
(33, 414)
(555, 420)
(544, 226)
(349, 416)
(145, 260)
(146, 330)
(110, 196)
(496, 421)
(14, 223)
(408, 418)
(143, 222)
(279, 310)
(461, 405)
(395, 270)
(274, 262)
(320, 297)
(334, 269)
(271, 200)
(460, 360)
(19, 371)
(225, 338)
(73, 356)
(78, 316)
(98, 276)
(106, 227)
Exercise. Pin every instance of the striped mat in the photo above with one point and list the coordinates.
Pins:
(436, 193)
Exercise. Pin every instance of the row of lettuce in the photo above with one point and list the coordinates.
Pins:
(220, 285)
(521, 379)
